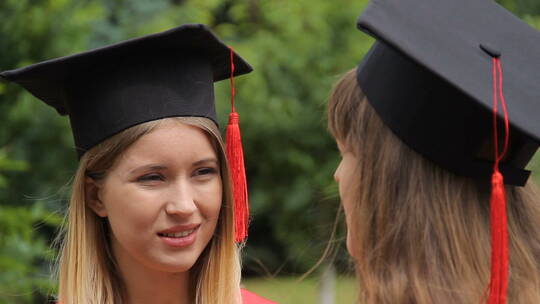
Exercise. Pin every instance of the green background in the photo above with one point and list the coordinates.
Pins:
(298, 49)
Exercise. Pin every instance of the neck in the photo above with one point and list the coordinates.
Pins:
(146, 285)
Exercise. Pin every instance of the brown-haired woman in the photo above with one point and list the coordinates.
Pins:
(417, 158)
(418, 233)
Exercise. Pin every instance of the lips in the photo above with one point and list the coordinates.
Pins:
(179, 228)
(179, 236)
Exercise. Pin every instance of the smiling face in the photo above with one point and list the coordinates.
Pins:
(162, 198)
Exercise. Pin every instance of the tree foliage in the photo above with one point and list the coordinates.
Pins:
(298, 49)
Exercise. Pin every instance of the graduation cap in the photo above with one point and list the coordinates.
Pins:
(107, 90)
(435, 77)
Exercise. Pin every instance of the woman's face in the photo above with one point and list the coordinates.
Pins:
(346, 178)
(162, 198)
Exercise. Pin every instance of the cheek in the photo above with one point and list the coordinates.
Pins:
(209, 200)
(132, 212)
(345, 173)
(348, 186)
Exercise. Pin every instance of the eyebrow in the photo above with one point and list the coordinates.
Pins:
(162, 167)
(206, 160)
(148, 167)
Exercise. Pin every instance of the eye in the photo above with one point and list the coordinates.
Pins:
(205, 171)
(152, 177)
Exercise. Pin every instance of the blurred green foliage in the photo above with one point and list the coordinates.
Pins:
(25, 253)
(298, 49)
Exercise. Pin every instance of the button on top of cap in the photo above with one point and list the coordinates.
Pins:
(490, 50)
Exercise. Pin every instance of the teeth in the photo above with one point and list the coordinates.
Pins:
(179, 234)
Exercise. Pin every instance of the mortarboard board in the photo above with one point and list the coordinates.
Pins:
(429, 78)
(107, 90)
(434, 75)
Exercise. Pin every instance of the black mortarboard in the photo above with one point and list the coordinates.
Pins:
(429, 77)
(434, 77)
(109, 89)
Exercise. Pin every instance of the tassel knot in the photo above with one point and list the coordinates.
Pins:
(497, 179)
(234, 118)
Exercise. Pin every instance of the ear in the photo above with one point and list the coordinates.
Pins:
(91, 191)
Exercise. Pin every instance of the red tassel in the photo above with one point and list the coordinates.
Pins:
(498, 285)
(499, 242)
(235, 157)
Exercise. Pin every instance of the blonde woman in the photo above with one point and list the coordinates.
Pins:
(151, 215)
(420, 140)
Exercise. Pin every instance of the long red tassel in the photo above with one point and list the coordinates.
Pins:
(235, 156)
(498, 285)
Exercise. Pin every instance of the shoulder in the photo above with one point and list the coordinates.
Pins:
(249, 297)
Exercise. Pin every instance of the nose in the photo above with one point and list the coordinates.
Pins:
(337, 173)
(180, 200)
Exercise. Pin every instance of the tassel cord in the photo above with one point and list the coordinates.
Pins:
(499, 226)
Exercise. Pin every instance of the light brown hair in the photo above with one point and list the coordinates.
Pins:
(423, 232)
(86, 266)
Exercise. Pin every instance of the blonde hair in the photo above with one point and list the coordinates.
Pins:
(422, 232)
(86, 268)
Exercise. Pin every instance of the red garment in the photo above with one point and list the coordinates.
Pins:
(249, 297)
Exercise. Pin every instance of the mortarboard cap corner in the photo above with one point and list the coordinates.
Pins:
(3, 77)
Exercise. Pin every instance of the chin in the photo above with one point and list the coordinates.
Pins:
(179, 262)
(173, 266)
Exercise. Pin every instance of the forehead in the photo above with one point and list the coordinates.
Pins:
(169, 142)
